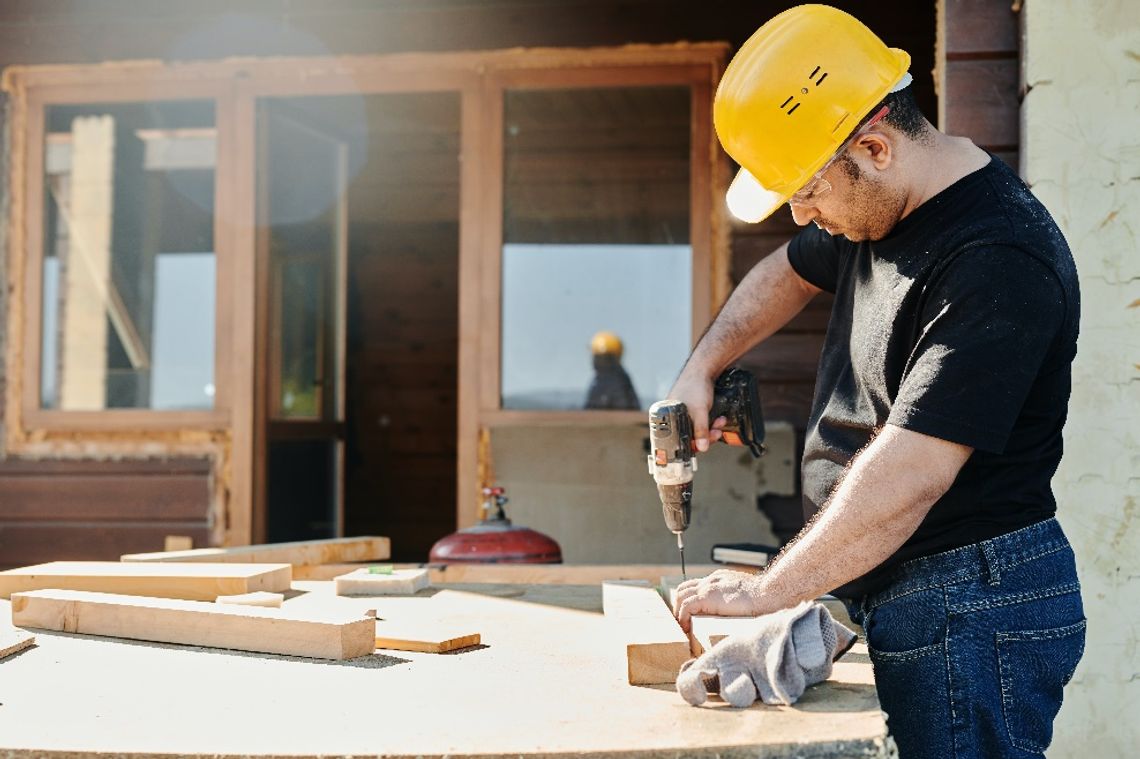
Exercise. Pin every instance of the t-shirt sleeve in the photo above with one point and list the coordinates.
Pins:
(814, 255)
(988, 325)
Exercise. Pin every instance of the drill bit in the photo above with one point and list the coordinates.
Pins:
(681, 550)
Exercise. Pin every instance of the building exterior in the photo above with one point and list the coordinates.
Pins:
(288, 269)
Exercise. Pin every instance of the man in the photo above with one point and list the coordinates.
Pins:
(941, 393)
(611, 387)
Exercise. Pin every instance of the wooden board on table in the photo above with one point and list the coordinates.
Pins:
(196, 582)
(530, 574)
(303, 552)
(430, 639)
(196, 623)
(655, 645)
(13, 641)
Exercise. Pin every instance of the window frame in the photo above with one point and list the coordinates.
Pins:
(233, 431)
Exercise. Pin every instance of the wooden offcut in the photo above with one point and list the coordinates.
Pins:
(13, 641)
(655, 644)
(196, 582)
(430, 639)
(196, 623)
(303, 552)
(397, 582)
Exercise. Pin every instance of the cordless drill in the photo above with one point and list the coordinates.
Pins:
(671, 460)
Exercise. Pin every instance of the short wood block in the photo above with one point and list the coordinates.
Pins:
(195, 582)
(655, 644)
(196, 623)
(401, 582)
(302, 552)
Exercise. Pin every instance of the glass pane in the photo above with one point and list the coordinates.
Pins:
(304, 166)
(596, 241)
(129, 265)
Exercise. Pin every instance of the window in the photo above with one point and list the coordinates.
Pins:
(596, 243)
(128, 258)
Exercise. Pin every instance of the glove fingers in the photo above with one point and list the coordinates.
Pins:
(691, 682)
(845, 639)
(737, 688)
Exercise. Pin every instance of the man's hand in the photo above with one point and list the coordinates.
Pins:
(696, 391)
(725, 593)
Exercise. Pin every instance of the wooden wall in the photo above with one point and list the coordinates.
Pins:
(978, 70)
(98, 509)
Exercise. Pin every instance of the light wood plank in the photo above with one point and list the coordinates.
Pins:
(401, 582)
(302, 552)
(195, 623)
(430, 639)
(13, 641)
(655, 645)
(197, 582)
(531, 574)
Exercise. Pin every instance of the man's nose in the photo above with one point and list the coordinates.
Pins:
(803, 215)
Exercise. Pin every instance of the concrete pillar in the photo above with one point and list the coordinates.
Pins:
(1081, 155)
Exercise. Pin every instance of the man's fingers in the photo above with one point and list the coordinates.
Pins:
(683, 591)
(694, 604)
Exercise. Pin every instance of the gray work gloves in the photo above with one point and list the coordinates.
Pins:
(776, 660)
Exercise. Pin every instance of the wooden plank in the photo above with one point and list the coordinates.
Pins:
(195, 581)
(195, 623)
(302, 552)
(531, 574)
(982, 103)
(980, 27)
(655, 645)
(428, 639)
(13, 641)
(121, 495)
(26, 543)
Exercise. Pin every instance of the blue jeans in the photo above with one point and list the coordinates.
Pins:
(972, 647)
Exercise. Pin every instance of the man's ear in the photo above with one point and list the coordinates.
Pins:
(876, 147)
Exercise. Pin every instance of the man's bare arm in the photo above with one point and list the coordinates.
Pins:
(881, 501)
(765, 300)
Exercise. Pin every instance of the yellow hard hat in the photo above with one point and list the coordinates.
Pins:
(606, 343)
(791, 96)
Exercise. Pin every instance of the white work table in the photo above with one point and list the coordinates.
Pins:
(547, 680)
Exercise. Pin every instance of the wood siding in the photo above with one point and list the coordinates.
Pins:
(98, 510)
(978, 70)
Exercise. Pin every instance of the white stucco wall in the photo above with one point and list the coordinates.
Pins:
(1081, 155)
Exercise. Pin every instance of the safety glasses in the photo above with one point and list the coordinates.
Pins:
(817, 186)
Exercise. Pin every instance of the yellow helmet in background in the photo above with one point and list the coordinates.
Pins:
(791, 96)
(606, 343)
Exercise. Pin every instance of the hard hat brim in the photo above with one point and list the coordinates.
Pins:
(750, 201)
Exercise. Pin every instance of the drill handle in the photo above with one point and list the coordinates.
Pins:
(736, 397)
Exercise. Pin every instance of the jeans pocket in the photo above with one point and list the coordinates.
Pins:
(913, 691)
(1034, 667)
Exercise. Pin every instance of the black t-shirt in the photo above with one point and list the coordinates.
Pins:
(960, 324)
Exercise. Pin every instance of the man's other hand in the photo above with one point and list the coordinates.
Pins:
(724, 593)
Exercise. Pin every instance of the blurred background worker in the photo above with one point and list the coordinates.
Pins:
(611, 387)
(941, 393)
